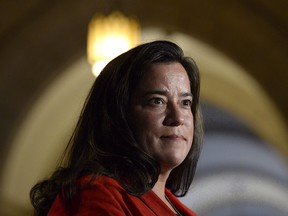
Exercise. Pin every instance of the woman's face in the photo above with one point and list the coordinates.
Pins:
(161, 116)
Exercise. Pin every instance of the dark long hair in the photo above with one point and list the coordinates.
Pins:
(103, 142)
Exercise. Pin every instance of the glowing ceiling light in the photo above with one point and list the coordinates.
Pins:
(108, 37)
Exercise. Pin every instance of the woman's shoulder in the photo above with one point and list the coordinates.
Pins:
(100, 183)
(98, 180)
(99, 194)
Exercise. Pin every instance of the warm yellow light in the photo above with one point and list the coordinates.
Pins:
(98, 66)
(108, 37)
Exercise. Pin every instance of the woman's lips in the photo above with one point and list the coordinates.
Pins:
(173, 137)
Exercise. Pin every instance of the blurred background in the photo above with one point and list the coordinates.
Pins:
(241, 48)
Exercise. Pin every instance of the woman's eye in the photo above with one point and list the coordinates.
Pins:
(187, 103)
(156, 101)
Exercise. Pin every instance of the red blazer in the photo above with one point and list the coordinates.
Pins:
(105, 197)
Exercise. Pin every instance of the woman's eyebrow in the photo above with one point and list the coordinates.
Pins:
(160, 92)
(164, 92)
(186, 94)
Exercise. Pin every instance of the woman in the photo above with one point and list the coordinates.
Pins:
(137, 142)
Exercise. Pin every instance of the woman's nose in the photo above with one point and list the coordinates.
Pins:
(174, 116)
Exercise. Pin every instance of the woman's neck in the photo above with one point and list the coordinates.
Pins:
(159, 187)
(159, 190)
